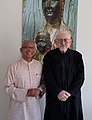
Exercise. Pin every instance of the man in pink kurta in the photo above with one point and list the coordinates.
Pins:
(22, 85)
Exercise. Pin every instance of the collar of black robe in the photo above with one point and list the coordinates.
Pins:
(68, 50)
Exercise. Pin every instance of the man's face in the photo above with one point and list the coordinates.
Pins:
(28, 50)
(43, 43)
(63, 41)
(52, 11)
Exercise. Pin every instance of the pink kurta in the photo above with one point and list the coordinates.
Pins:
(20, 77)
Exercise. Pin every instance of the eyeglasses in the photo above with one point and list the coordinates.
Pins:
(66, 40)
(28, 47)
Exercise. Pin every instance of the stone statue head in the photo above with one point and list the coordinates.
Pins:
(52, 11)
(43, 42)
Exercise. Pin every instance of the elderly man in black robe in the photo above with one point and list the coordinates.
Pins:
(63, 70)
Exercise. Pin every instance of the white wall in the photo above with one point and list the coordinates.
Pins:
(84, 44)
(10, 40)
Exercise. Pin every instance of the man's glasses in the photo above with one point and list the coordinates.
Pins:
(66, 40)
(28, 47)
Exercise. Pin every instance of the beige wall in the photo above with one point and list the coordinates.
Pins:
(10, 40)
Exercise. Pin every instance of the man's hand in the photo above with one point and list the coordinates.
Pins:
(34, 92)
(63, 95)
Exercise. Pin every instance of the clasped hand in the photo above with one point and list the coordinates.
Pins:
(34, 92)
(63, 95)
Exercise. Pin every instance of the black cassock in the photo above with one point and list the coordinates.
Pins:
(63, 71)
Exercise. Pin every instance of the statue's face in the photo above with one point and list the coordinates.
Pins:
(52, 11)
(43, 43)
